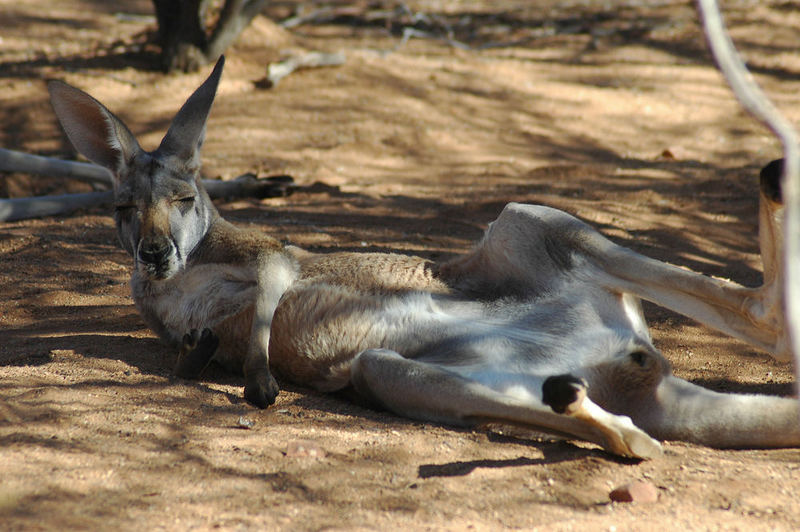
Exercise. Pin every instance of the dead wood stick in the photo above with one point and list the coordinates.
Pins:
(756, 102)
(278, 71)
(17, 161)
(24, 208)
(247, 185)
(250, 186)
(323, 14)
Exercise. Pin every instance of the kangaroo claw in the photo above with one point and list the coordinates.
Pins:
(196, 352)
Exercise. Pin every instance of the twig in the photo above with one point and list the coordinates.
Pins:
(402, 16)
(278, 71)
(323, 14)
(756, 102)
(409, 32)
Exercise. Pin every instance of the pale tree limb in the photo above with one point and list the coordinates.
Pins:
(17, 161)
(15, 209)
(278, 71)
(756, 102)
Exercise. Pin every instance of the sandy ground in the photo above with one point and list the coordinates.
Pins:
(615, 114)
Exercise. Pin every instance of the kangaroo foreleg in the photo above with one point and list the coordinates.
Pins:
(429, 392)
(276, 273)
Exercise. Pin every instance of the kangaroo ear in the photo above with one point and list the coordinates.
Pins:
(188, 128)
(92, 129)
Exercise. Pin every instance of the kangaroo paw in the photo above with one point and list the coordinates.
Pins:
(261, 391)
(196, 352)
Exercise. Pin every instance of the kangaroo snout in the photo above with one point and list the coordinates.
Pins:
(155, 256)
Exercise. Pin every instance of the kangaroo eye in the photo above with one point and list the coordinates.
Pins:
(184, 204)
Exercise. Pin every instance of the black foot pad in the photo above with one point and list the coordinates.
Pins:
(770, 179)
(261, 391)
(562, 391)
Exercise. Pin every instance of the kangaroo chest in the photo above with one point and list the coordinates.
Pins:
(199, 297)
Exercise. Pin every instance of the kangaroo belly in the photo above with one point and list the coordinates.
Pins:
(319, 329)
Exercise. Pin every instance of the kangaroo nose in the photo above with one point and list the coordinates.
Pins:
(155, 250)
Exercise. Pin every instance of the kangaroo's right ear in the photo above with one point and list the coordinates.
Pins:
(187, 131)
(93, 129)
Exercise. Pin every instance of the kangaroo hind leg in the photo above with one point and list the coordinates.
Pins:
(430, 392)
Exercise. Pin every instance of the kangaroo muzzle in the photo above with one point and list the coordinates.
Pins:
(156, 257)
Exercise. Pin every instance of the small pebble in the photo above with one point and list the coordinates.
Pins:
(303, 449)
(637, 491)
(245, 423)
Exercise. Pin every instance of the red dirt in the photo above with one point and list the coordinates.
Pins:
(622, 121)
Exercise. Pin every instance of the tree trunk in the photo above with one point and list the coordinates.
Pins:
(186, 41)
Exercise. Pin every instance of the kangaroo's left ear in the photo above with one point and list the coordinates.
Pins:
(94, 130)
(187, 131)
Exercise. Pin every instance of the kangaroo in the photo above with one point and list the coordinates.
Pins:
(540, 325)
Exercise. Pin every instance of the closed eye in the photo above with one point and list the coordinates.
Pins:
(185, 203)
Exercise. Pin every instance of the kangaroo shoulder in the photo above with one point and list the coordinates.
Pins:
(227, 243)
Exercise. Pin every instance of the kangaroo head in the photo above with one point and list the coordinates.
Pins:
(162, 210)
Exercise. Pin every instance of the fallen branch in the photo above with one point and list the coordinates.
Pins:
(24, 208)
(321, 15)
(17, 161)
(250, 186)
(756, 102)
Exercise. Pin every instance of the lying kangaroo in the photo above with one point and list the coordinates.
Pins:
(539, 326)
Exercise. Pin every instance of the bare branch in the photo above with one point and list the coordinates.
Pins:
(250, 186)
(756, 102)
(24, 208)
(17, 161)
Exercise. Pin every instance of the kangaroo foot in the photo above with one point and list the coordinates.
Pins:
(261, 390)
(195, 354)
(566, 394)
